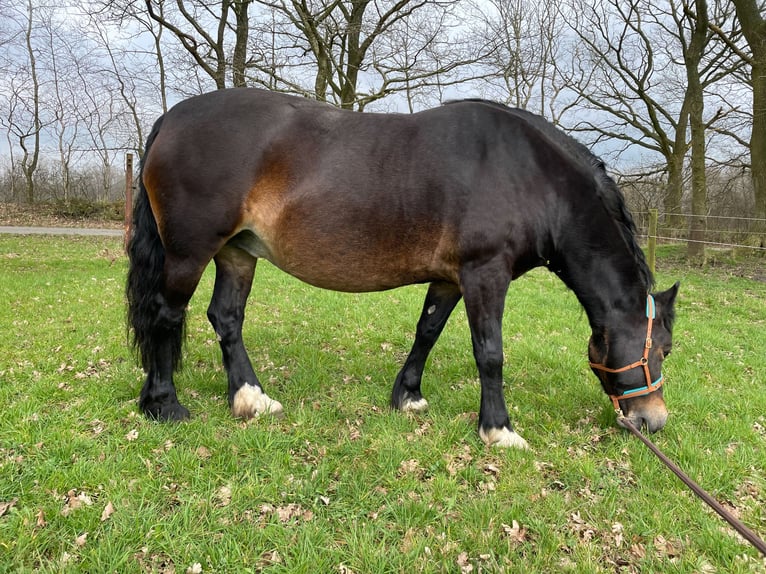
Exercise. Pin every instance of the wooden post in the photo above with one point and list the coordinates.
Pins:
(652, 247)
(128, 196)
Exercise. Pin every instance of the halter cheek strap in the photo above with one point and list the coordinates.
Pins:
(643, 362)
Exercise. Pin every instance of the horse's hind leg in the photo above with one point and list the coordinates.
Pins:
(440, 301)
(233, 279)
(163, 336)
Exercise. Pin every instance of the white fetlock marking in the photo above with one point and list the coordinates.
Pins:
(503, 437)
(412, 406)
(250, 401)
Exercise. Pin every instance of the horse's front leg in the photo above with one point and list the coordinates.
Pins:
(484, 291)
(440, 301)
(233, 280)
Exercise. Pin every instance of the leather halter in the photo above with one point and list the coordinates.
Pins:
(643, 362)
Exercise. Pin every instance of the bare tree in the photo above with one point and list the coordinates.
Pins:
(63, 98)
(642, 72)
(207, 34)
(361, 50)
(24, 120)
(529, 40)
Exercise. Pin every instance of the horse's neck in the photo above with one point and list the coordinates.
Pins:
(608, 285)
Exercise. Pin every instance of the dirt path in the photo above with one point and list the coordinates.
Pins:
(24, 230)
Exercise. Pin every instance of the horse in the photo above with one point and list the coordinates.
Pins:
(465, 197)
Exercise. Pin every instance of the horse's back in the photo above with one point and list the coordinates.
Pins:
(340, 199)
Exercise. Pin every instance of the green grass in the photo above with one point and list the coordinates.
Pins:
(341, 484)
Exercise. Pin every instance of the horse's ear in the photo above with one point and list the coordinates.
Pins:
(666, 305)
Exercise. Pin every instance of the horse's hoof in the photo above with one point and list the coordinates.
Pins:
(250, 401)
(173, 412)
(503, 438)
(414, 406)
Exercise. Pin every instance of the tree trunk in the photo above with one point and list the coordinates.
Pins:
(753, 25)
(30, 159)
(239, 57)
(692, 58)
(675, 158)
(758, 136)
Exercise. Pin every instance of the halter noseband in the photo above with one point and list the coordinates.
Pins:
(650, 386)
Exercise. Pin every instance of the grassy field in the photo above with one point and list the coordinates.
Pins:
(341, 484)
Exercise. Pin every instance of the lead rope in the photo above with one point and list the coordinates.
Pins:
(737, 524)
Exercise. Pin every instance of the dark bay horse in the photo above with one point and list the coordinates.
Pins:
(466, 197)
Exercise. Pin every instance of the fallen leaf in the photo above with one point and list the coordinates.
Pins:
(465, 565)
(267, 559)
(203, 452)
(41, 519)
(223, 496)
(108, 511)
(6, 506)
(408, 466)
(515, 533)
(132, 435)
(665, 548)
(617, 531)
(81, 540)
(85, 499)
(291, 512)
(75, 501)
(195, 568)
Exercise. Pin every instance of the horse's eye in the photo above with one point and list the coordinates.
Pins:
(666, 352)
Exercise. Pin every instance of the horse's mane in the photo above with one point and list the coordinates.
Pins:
(606, 188)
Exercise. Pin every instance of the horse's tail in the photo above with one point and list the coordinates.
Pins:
(145, 276)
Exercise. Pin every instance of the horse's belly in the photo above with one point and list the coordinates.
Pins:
(362, 270)
(353, 262)
(334, 242)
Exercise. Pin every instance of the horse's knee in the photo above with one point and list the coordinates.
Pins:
(168, 317)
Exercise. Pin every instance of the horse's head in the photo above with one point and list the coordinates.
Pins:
(627, 358)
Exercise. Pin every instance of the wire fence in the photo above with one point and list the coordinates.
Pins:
(719, 231)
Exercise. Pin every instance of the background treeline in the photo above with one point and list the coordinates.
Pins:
(672, 93)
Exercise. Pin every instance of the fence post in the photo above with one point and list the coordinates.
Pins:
(128, 196)
(652, 246)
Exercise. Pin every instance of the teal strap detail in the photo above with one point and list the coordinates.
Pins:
(650, 307)
(644, 388)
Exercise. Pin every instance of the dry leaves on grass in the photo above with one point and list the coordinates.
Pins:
(458, 462)
(203, 452)
(6, 506)
(74, 500)
(157, 563)
(464, 563)
(267, 559)
(108, 511)
(291, 513)
(514, 533)
(222, 497)
(411, 466)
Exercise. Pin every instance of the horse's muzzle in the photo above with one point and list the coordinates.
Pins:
(647, 411)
